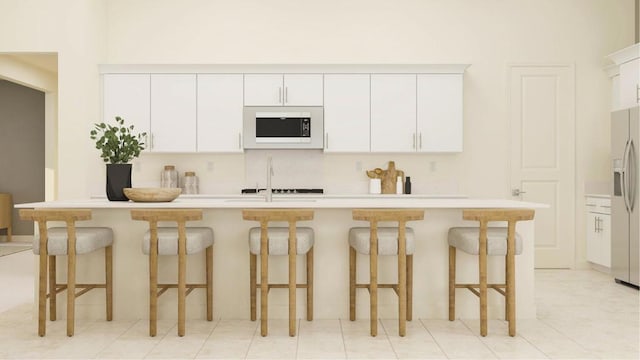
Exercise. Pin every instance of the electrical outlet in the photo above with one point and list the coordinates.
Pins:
(358, 165)
(209, 165)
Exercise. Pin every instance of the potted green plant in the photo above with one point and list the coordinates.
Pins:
(118, 145)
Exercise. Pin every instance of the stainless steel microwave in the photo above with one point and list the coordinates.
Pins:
(277, 127)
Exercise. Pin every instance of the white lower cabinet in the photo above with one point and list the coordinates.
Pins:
(219, 113)
(393, 113)
(173, 113)
(599, 231)
(346, 112)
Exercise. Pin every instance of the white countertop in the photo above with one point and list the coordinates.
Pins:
(295, 201)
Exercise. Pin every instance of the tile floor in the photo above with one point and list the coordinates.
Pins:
(581, 315)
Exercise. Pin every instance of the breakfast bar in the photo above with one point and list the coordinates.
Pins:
(331, 280)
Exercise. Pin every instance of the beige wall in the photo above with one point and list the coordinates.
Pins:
(488, 34)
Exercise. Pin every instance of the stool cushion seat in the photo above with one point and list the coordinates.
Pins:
(198, 239)
(467, 239)
(88, 239)
(279, 240)
(387, 240)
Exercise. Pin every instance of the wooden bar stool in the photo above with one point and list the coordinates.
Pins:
(291, 241)
(181, 241)
(6, 213)
(374, 241)
(485, 241)
(70, 241)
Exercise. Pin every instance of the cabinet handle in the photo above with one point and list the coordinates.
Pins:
(280, 94)
(595, 225)
(638, 93)
(420, 141)
(286, 94)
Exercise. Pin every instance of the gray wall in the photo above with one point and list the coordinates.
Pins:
(21, 148)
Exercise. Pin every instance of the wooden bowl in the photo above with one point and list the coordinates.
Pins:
(152, 194)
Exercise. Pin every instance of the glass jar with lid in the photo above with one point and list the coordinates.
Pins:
(190, 183)
(169, 177)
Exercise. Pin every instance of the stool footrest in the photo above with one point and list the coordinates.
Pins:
(85, 288)
(472, 287)
(283, 286)
(190, 287)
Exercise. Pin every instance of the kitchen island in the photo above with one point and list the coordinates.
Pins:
(331, 223)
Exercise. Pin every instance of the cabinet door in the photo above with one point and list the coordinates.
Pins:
(439, 114)
(263, 90)
(173, 112)
(593, 243)
(605, 239)
(346, 113)
(629, 84)
(219, 113)
(128, 96)
(302, 90)
(393, 113)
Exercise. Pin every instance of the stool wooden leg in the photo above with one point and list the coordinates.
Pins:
(108, 260)
(452, 283)
(292, 284)
(373, 290)
(153, 290)
(482, 262)
(409, 287)
(252, 284)
(264, 290)
(402, 295)
(209, 262)
(511, 294)
(352, 283)
(42, 293)
(52, 288)
(310, 284)
(182, 291)
(9, 233)
(71, 291)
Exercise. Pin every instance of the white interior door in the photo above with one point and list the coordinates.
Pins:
(541, 112)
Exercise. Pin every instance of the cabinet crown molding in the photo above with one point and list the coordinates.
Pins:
(283, 68)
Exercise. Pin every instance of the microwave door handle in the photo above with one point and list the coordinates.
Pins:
(623, 176)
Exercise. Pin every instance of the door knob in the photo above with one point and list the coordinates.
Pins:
(517, 192)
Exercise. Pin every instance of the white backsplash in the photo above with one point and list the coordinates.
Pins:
(335, 173)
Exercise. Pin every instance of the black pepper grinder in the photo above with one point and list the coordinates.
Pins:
(407, 185)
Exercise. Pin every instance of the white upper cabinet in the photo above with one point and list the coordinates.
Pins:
(128, 96)
(393, 113)
(173, 112)
(630, 84)
(283, 90)
(303, 90)
(625, 73)
(346, 112)
(439, 118)
(219, 113)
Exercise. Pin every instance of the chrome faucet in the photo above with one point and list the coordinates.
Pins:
(269, 191)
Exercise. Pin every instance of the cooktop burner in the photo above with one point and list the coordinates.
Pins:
(285, 191)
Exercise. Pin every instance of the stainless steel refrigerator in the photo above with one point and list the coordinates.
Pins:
(625, 219)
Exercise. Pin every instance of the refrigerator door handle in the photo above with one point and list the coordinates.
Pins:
(632, 171)
(623, 176)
